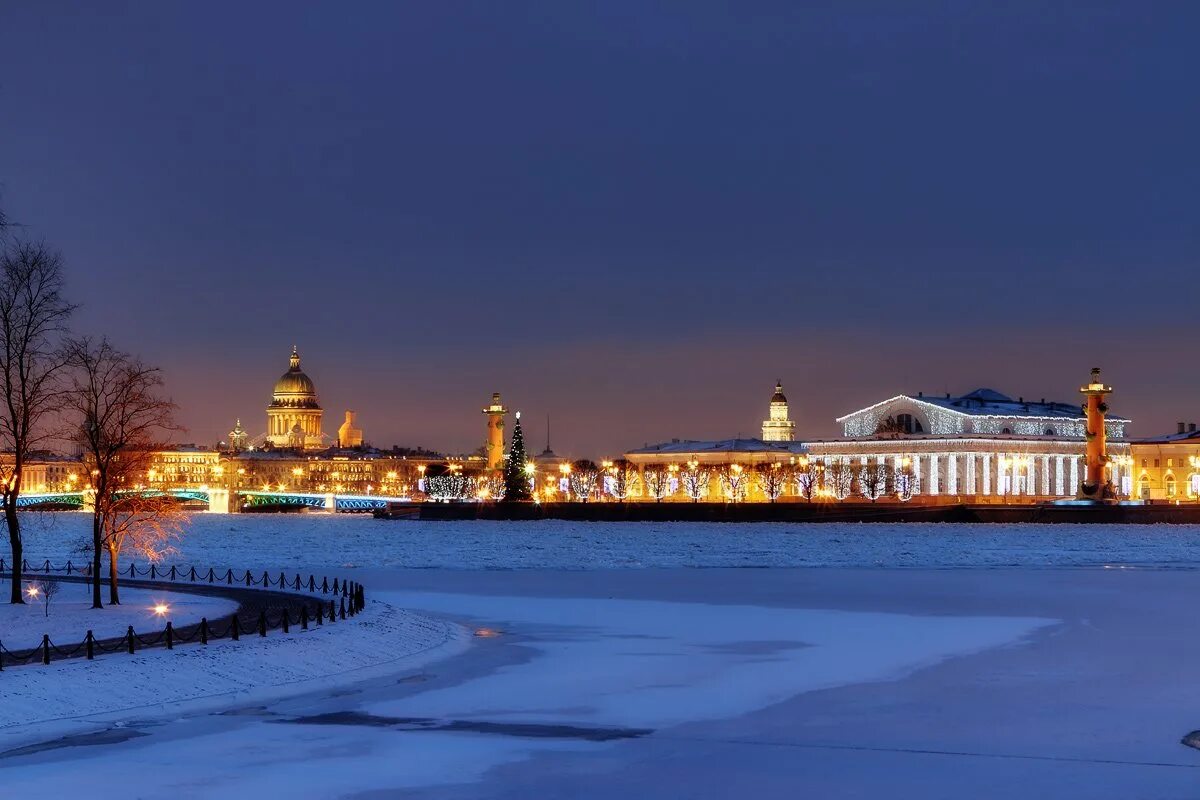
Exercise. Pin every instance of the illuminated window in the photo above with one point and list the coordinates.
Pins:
(1050, 432)
(1144, 487)
(1170, 462)
(1169, 484)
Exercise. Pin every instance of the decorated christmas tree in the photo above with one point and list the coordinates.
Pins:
(516, 481)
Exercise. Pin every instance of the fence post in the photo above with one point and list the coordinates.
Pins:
(24, 565)
(325, 585)
(46, 569)
(266, 579)
(320, 613)
(234, 631)
(249, 580)
(170, 636)
(343, 608)
(262, 623)
(192, 575)
(297, 584)
(172, 572)
(285, 620)
(204, 630)
(312, 586)
(210, 575)
(69, 569)
(332, 612)
(129, 638)
(153, 571)
(303, 618)
(282, 580)
(132, 574)
(229, 577)
(90, 641)
(335, 586)
(2, 567)
(45, 648)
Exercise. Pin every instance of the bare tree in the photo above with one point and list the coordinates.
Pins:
(50, 591)
(873, 479)
(807, 477)
(658, 481)
(772, 478)
(839, 478)
(621, 480)
(695, 480)
(583, 478)
(734, 480)
(147, 523)
(121, 419)
(491, 487)
(33, 316)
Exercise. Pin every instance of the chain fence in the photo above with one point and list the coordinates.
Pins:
(282, 609)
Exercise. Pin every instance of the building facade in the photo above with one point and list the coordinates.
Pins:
(979, 447)
(1167, 468)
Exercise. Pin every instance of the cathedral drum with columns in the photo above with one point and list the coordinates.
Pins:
(294, 415)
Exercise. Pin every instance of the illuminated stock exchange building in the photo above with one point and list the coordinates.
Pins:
(981, 446)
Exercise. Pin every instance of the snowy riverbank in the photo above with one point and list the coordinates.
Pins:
(88, 695)
(71, 614)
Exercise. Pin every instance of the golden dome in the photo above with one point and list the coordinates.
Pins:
(294, 388)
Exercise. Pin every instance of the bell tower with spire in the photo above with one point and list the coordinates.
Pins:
(778, 428)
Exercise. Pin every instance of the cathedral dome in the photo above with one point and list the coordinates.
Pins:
(294, 388)
(778, 396)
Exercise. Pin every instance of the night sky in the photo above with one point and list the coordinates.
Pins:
(633, 217)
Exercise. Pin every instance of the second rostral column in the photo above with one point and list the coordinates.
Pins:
(495, 441)
(1096, 486)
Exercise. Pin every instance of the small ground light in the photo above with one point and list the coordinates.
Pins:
(486, 633)
(32, 591)
(160, 609)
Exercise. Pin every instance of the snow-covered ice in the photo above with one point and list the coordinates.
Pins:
(324, 541)
(639, 663)
(1053, 678)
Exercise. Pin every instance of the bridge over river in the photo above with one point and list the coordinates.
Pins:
(224, 501)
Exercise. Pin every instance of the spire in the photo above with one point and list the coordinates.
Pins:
(294, 361)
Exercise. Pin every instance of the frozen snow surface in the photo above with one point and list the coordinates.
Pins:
(154, 682)
(310, 541)
(918, 661)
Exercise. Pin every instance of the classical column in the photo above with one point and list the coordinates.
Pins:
(1045, 476)
(987, 474)
(971, 459)
(934, 483)
(952, 474)
(916, 474)
(1074, 475)
(1060, 486)
(1031, 476)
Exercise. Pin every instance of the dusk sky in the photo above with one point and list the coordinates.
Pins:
(633, 217)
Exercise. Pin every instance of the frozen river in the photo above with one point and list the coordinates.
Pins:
(852, 661)
(311, 541)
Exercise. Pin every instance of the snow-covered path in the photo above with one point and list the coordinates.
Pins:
(711, 683)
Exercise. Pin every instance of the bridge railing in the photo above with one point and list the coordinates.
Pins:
(325, 603)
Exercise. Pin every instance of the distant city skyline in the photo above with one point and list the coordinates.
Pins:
(631, 220)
